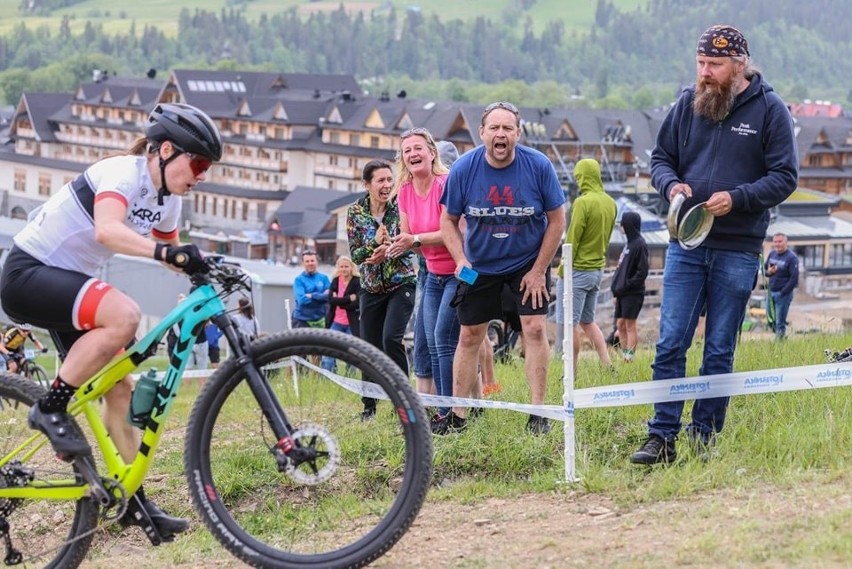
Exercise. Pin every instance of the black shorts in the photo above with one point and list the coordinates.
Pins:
(213, 352)
(629, 307)
(483, 301)
(46, 297)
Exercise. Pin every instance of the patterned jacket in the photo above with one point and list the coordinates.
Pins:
(361, 229)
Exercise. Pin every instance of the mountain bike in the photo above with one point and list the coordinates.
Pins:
(279, 467)
(28, 368)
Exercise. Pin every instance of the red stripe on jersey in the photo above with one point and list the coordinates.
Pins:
(173, 234)
(90, 300)
(111, 194)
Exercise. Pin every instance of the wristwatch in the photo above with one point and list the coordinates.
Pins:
(416, 242)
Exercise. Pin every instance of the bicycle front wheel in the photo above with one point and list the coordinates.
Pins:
(39, 376)
(54, 534)
(362, 481)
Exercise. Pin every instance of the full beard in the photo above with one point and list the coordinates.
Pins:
(714, 102)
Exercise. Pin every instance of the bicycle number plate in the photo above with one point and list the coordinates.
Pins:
(29, 354)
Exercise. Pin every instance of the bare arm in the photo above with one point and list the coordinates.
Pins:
(534, 283)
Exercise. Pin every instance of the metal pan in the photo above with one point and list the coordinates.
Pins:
(693, 228)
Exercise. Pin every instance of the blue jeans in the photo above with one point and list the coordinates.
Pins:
(782, 308)
(330, 363)
(422, 359)
(442, 330)
(723, 280)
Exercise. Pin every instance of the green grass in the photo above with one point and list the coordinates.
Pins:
(117, 15)
(779, 440)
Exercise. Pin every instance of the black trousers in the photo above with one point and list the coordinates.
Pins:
(384, 318)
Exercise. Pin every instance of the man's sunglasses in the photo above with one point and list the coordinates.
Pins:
(197, 163)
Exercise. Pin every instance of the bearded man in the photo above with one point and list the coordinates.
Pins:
(727, 143)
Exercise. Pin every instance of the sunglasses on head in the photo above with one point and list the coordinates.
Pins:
(197, 163)
(419, 130)
(501, 105)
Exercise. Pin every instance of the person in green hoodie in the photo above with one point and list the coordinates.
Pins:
(592, 221)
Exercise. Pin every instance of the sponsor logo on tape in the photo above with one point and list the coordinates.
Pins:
(834, 374)
(691, 387)
(763, 381)
(615, 395)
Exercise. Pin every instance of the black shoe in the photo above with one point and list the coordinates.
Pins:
(654, 451)
(368, 414)
(538, 425)
(157, 524)
(452, 423)
(64, 434)
(475, 412)
(436, 420)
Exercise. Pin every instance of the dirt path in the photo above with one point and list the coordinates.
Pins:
(806, 526)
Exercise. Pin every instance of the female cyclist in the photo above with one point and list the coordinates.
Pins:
(121, 204)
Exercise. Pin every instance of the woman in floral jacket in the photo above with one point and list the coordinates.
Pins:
(387, 284)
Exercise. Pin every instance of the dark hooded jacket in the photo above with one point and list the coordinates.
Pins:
(629, 277)
(751, 154)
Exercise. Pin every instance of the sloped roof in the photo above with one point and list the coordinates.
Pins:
(306, 210)
(39, 107)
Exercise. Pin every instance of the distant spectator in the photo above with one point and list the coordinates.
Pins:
(343, 312)
(245, 320)
(311, 291)
(782, 266)
(589, 231)
(628, 283)
(213, 334)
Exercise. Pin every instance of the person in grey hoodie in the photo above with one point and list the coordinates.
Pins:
(628, 283)
(728, 143)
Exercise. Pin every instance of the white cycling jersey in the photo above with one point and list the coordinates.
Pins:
(60, 233)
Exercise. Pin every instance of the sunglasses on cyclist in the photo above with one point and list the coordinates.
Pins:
(197, 163)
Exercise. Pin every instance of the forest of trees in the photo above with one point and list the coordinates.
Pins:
(627, 59)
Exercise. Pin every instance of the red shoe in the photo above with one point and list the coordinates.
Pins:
(490, 389)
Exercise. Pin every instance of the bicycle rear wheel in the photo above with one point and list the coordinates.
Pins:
(46, 533)
(351, 504)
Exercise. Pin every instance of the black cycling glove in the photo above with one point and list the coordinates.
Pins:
(186, 257)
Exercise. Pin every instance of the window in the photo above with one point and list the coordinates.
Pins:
(334, 138)
(245, 211)
(261, 212)
(44, 184)
(840, 255)
(20, 184)
(811, 255)
(374, 142)
(215, 205)
(355, 140)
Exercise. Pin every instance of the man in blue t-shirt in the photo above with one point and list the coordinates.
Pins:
(311, 291)
(514, 211)
(782, 266)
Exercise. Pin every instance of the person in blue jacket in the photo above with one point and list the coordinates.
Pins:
(728, 143)
(782, 266)
(311, 291)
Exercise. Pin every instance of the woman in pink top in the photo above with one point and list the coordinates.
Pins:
(419, 186)
(343, 314)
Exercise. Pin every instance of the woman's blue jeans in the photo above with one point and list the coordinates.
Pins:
(722, 280)
(442, 330)
(327, 362)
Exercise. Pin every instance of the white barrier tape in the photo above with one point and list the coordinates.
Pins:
(721, 385)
